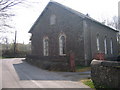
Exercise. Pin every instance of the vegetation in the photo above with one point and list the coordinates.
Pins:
(7, 12)
(93, 85)
(82, 68)
(89, 83)
(8, 51)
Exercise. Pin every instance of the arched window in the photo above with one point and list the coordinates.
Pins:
(117, 37)
(52, 19)
(98, 42)
(62, 44)
(45, 46)
(111, 46)
(105, 44)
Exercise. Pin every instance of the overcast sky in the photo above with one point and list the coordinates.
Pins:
(26, 16)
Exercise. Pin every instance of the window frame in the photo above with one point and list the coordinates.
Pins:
(45, 46)
(111, 46)
(105, 45)
(98, 42)
(62, 48)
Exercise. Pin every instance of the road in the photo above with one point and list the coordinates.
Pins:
(16, 73)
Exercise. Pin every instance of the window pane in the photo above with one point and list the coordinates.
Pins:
(62, 45)
(45, 46)
(111, 46)
(105, 45)
(98, 46)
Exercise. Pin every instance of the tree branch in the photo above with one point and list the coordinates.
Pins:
(8, 4)
(3, 3)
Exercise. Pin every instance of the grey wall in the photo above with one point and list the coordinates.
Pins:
(80, 35)
(87, 42)
(91, 29)
(103, 31)
(66, 22)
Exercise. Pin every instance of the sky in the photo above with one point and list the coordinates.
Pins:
(26, 15)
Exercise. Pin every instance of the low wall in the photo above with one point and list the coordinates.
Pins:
(106, 73)
(59, 63)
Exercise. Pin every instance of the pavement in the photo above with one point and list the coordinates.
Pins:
(16, 73)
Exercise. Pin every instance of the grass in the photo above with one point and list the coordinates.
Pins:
(82, 68)
(77, 69)
(0, 57)
(5, 57)
(90, 83)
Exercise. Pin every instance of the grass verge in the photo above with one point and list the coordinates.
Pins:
(88, 82)
(5, 57)
(0, 57)
(82, 68)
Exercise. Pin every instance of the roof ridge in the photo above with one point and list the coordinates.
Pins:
(80, 14)
(74, 12)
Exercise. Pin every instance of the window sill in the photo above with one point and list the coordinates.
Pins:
(62, 54)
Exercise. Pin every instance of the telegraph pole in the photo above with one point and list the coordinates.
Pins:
(15, 43)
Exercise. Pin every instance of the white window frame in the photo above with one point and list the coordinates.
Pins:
(117, 37)
(45, 46)
(61, 52)
(98, 43)
(105, 44)
(111, 46)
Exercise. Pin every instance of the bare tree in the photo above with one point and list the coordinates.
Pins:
(5, 7)
(113, 22)
(5, 15)
(6, 4)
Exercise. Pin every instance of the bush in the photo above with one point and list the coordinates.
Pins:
(11, 54)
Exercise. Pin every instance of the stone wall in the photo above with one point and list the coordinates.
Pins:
(58, 63)
(66, 23)
(106, 73)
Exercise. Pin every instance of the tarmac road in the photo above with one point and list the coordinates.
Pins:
(17, 73)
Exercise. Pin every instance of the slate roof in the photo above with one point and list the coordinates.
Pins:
(75, 12)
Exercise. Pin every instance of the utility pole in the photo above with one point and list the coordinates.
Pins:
(15, 43)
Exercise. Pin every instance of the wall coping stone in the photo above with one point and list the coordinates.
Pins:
(115, 64)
